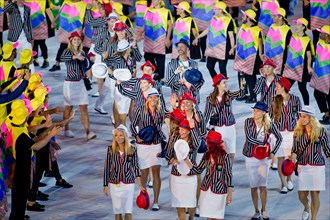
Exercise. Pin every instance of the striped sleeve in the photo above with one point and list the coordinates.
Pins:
(258, 85)
(278, 136)
(66, 56)
(200, 168)
(207, 110)
(201, 124)
(107, 165)
(325, 143)
(173, 82)
(135, 164)
(228, 171)
(136, 54)
(95, 22)
(129, 93)
(134, 124)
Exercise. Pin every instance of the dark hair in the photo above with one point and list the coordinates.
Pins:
(214, 150)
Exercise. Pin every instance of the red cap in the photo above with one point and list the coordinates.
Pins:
(107, 8)
(268, 62)
(185, 124)
(119, 26)
(148, 63)
(177, 115)
(147, 77)
(288, 167)
(188, 96)
(285, 83)
(218, 78)
(143, 200)
(75, 34)
(261, 152)
(90, 54)
(214, 137)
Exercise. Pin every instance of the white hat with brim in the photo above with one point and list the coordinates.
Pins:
(308, 110)
(181, 149)
(100, 70)
(122, 74)
(122, 128)
(123, 45)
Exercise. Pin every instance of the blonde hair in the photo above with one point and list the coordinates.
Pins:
(115, 145)
(315, 131)
(266, 121)
(71, 48)
(146, 105)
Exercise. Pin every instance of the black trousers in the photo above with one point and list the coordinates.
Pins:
(250, 83)
(159, 61)
(303, 90)
(56, 170)
(323, 101)
(42, 163)
(210, 64)
(60, 51)
(19, 193)
(203, 45)
(43, 48)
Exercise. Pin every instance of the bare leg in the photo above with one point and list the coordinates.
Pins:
(254, 195)
(315, 203)
(122, 119)
(128, 216)
(198, 191)
(191, 213)
(118, 217)
(181, 213)
(144, 177)
(131, 110)
(66, 114)
(303, 197)
(84, 117)
(116, 114)
(88, 73)
(263, 197)
(157, 182)
(279, 165)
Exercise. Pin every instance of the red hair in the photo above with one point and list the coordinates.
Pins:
(214, 150)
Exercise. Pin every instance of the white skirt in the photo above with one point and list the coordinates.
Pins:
(183, 191)
(122, 102)
(285, 149)
(75, 93)
(147, 155)
(311, 178)
(122, 197)
(257, 171)
(212, 205)
(228, 136)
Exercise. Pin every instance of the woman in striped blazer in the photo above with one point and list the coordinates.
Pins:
(258, 130)
(309, 140)
(183, 187)
(216, 189)
(149, 114)
(218, 111)
(74, 90)
(121, 168)
(285, 115)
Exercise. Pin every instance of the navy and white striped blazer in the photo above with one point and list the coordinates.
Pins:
(311, 153)
(16, 23)
(120, 168)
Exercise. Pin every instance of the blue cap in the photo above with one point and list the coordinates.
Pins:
(182, 41)
(261, 106)
(193, 76)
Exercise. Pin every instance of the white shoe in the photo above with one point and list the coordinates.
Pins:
(155, 207)
(265, 215)
(305, 215)
(150, 184)
(284, 190)
(97, 94)
(100, 110)
(290, 185)
(68, 133)
(90, 136)
(256, 216)
(273, 166)
(197, 212)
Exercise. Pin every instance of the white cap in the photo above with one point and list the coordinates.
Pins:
(112, 15)
(123, 128)
(308, 110)
(123, 45)
(153, 92)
